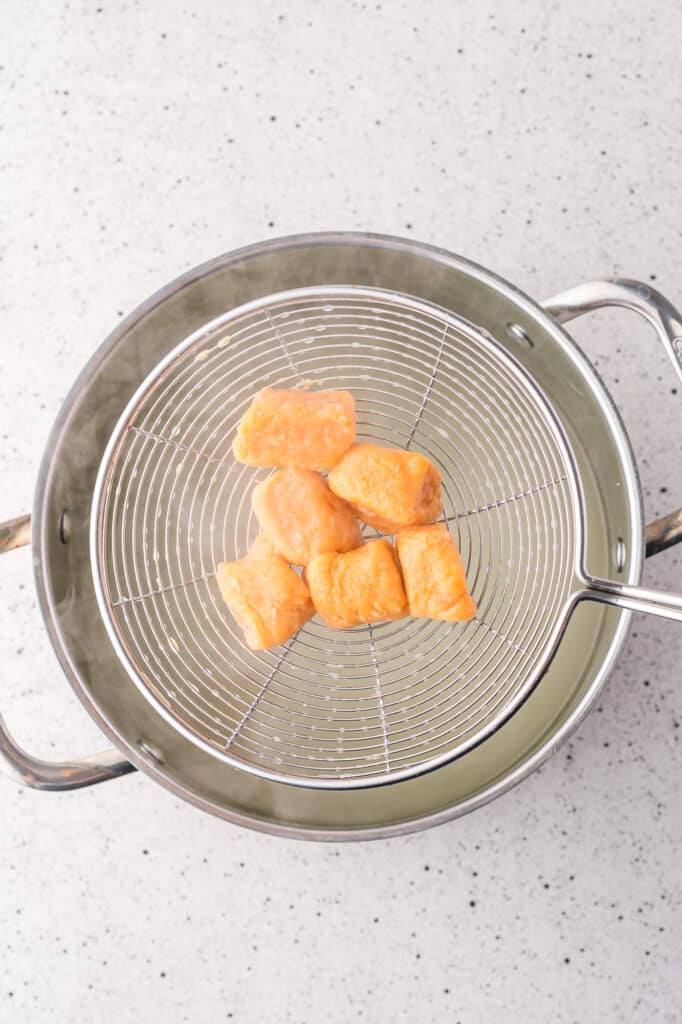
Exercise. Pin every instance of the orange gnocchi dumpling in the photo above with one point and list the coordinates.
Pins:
(301, 517)
(388, 488)
(261, 549)
(433, 574)
(308, 429)
(362, 585)
(267, 599)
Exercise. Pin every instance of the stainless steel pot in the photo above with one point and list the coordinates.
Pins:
(594, 637)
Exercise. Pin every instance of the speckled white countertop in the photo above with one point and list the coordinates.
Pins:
(140, 138)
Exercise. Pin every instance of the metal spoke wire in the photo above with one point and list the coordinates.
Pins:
(372, 704)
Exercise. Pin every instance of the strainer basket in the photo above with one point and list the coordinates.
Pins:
(379, 703)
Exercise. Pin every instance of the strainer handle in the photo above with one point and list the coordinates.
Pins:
(666, 321)
(632, 598)
(31, 771)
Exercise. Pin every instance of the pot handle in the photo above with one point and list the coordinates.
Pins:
(667, 323)
(31, 771)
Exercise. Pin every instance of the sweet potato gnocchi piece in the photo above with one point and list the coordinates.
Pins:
(262, 549)
(301, 517)
(362, 585)
(387, 487)
(306, 429)
(267, 599)
(433, 574)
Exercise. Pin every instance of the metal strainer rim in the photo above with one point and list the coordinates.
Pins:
(481, 337)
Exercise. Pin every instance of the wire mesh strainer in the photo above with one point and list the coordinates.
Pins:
(374, 704)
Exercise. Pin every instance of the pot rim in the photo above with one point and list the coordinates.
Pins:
(444, 257)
